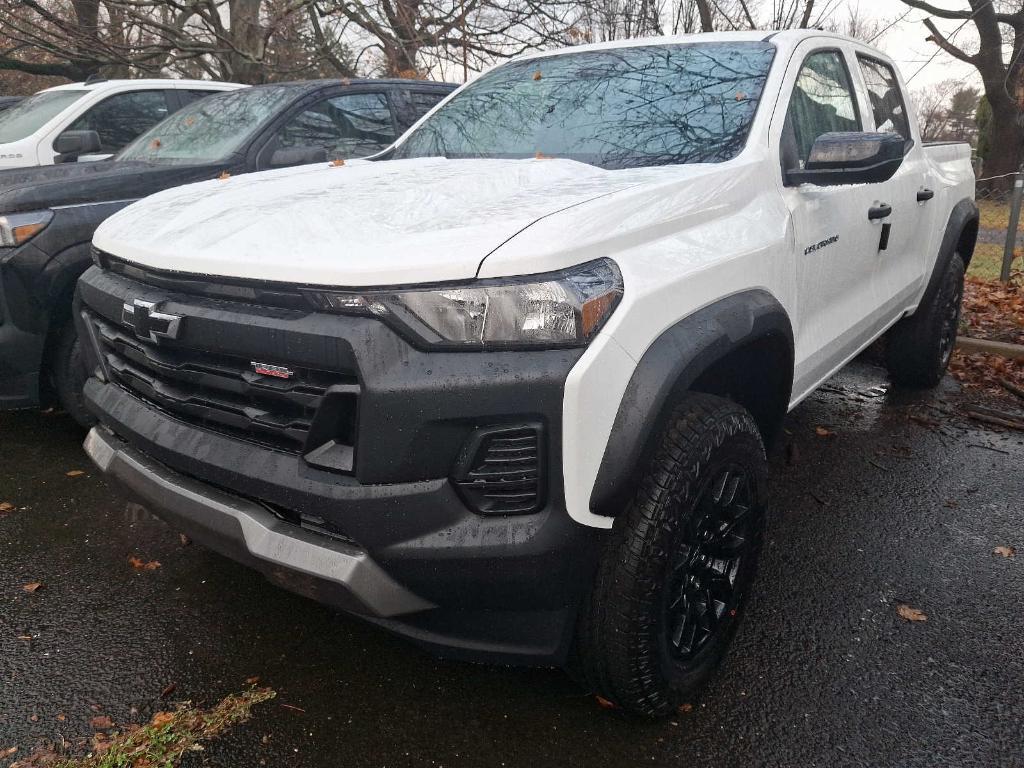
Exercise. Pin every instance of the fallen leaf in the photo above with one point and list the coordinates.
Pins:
(224, 176)
(155, 144)
(185, 540)
(6, 506)
(254, 680)
(75, 473)
(101, 723)
(33, 718)
(168, 690)
(160, 719)
(337, 162)
(25, 637)
(541, 156)
(822, 432)
(740, 96)
(685, 708)
(32, 587)
(8, 752)
(910, 614)
(1004, 551)
(603, 703)
(141, 565)
(61, 717)
(537, 75)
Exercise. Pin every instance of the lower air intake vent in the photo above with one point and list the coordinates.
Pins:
(500, 471)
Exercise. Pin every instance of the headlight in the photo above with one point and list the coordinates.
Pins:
(552, 310)
(18, 228)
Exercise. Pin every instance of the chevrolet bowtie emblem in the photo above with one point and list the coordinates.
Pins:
(142, 317)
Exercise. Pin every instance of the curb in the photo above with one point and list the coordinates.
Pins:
(970, 345)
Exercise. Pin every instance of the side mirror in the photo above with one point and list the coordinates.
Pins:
(70, 144)
(283, 158)
(851, 158)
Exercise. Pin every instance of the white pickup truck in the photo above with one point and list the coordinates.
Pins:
(506, 387)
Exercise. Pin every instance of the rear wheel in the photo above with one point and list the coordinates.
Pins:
(679, 563)
(919, 347)
(67, 370)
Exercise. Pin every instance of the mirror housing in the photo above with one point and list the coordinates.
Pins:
(71, 144)
(851, 158)
(283, 158)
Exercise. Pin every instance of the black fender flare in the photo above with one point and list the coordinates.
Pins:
(672, 364)
(963, 218)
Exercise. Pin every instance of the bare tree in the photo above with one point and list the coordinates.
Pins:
(1001, 76)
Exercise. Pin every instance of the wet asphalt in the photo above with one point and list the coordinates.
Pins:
(904, 502)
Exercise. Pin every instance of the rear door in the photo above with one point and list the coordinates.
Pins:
(836, 241)
(902, 267)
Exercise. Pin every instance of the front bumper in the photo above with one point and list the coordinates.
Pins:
(325, 570)
(485, 587)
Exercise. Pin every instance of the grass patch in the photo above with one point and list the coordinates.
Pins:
(994, 214)
(164, 740)
(988, 261)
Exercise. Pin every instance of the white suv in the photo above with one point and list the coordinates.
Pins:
(91, 120)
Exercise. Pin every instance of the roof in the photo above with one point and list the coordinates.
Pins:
(789, 37)
(142, 82)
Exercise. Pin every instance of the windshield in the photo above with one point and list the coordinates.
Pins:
(617, 108)
(28, 116)
(209, 129)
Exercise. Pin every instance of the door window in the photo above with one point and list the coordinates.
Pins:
(123, 116)
(886, 99)
(352, 125)
(415, 104)
(823, 101)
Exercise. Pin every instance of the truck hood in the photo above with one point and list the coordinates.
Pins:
(48, 186)
(360, 224)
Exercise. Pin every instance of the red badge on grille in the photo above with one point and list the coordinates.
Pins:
(277, 371)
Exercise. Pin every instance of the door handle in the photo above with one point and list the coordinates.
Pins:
(880, 211)
(924, 195)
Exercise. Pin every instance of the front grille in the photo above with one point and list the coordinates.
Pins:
(219, 392)
(502, 471)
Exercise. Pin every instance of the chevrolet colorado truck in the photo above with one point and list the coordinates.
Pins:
(48, 215)
(506, 387)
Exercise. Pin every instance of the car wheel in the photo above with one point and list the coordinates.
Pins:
(679, 562)
(919, 347)
(68, 372)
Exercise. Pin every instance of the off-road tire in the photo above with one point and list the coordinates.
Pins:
(919, 347)
(68, 375)
(624, 650)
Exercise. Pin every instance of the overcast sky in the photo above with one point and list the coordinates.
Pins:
(906, 44)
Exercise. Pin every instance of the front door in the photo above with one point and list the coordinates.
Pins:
(838, 230)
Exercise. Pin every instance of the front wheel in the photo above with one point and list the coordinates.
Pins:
(919, 347)
(67, 369)
(679, 562)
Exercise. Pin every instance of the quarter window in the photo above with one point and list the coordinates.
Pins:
(123, 116)
(822, 102)
(886, 99)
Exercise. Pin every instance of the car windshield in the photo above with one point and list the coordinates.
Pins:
(209, 129)
(28, 116)
(616, 108)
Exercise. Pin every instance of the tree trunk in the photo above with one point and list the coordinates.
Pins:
(245, 60)
(707, 23)
(1006, 138)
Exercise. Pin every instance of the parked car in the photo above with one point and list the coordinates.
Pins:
(91, 120)
(49, 214)
(506, 388)
(6, 102)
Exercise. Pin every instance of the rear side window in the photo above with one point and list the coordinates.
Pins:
(415, 104)
(352, 125)
(886, 99)
(822, 102)
(118, 119)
